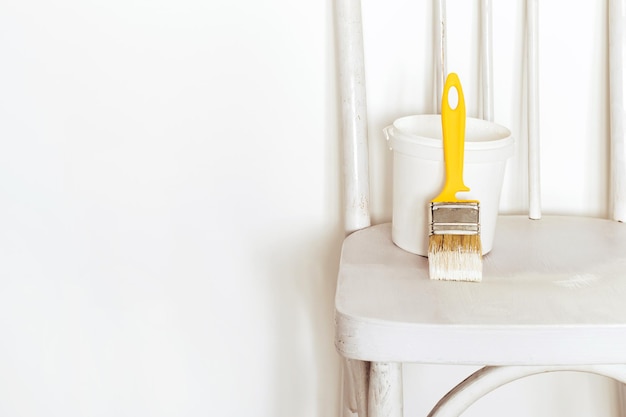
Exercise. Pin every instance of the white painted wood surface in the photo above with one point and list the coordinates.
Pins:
(553, 293)
(486, 58)
(355, 388)
(617, 56)
(385, 390)
(490, 378)
(547, 286)
(441, 50)
(532, 66)
(354, 109)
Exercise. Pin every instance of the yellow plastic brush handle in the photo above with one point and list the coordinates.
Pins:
(453, 126)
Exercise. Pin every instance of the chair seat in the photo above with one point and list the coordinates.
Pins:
(553, 292)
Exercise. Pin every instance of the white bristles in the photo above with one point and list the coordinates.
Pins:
(455, 257)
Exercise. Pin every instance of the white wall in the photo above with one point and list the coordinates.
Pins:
(169, 208)
(170, 219)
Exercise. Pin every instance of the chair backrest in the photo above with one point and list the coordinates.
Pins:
(354, 114)
(617, 56)
(354, 106)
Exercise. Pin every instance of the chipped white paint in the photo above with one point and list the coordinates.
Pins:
(356, 386)
(552, 293)
(617, 56)
(547, 286)
(386, 306)
(355, 166)
(385, 390)
(532, 65)
(486, 59)
(354, 108)
(578, 281)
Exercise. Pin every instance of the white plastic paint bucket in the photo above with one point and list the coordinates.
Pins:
(418, 175)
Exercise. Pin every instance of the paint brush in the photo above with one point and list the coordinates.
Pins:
(454, 248)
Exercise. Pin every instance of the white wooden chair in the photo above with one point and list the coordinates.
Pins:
(553, 292)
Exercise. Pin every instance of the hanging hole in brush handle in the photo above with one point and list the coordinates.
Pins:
(453, 98)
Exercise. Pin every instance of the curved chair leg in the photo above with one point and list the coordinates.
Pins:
(385, 390)
(489, 378)
(355, 387)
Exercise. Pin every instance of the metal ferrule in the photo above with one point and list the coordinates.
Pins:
(455, 218)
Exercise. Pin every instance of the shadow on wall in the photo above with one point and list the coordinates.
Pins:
(301, 302)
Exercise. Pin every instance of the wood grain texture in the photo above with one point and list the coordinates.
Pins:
(356, 386)
(532, 70)
(552, 293)
(385, 390)
(617, 55)
(354, 114)
(486, 58)
(441, 50)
